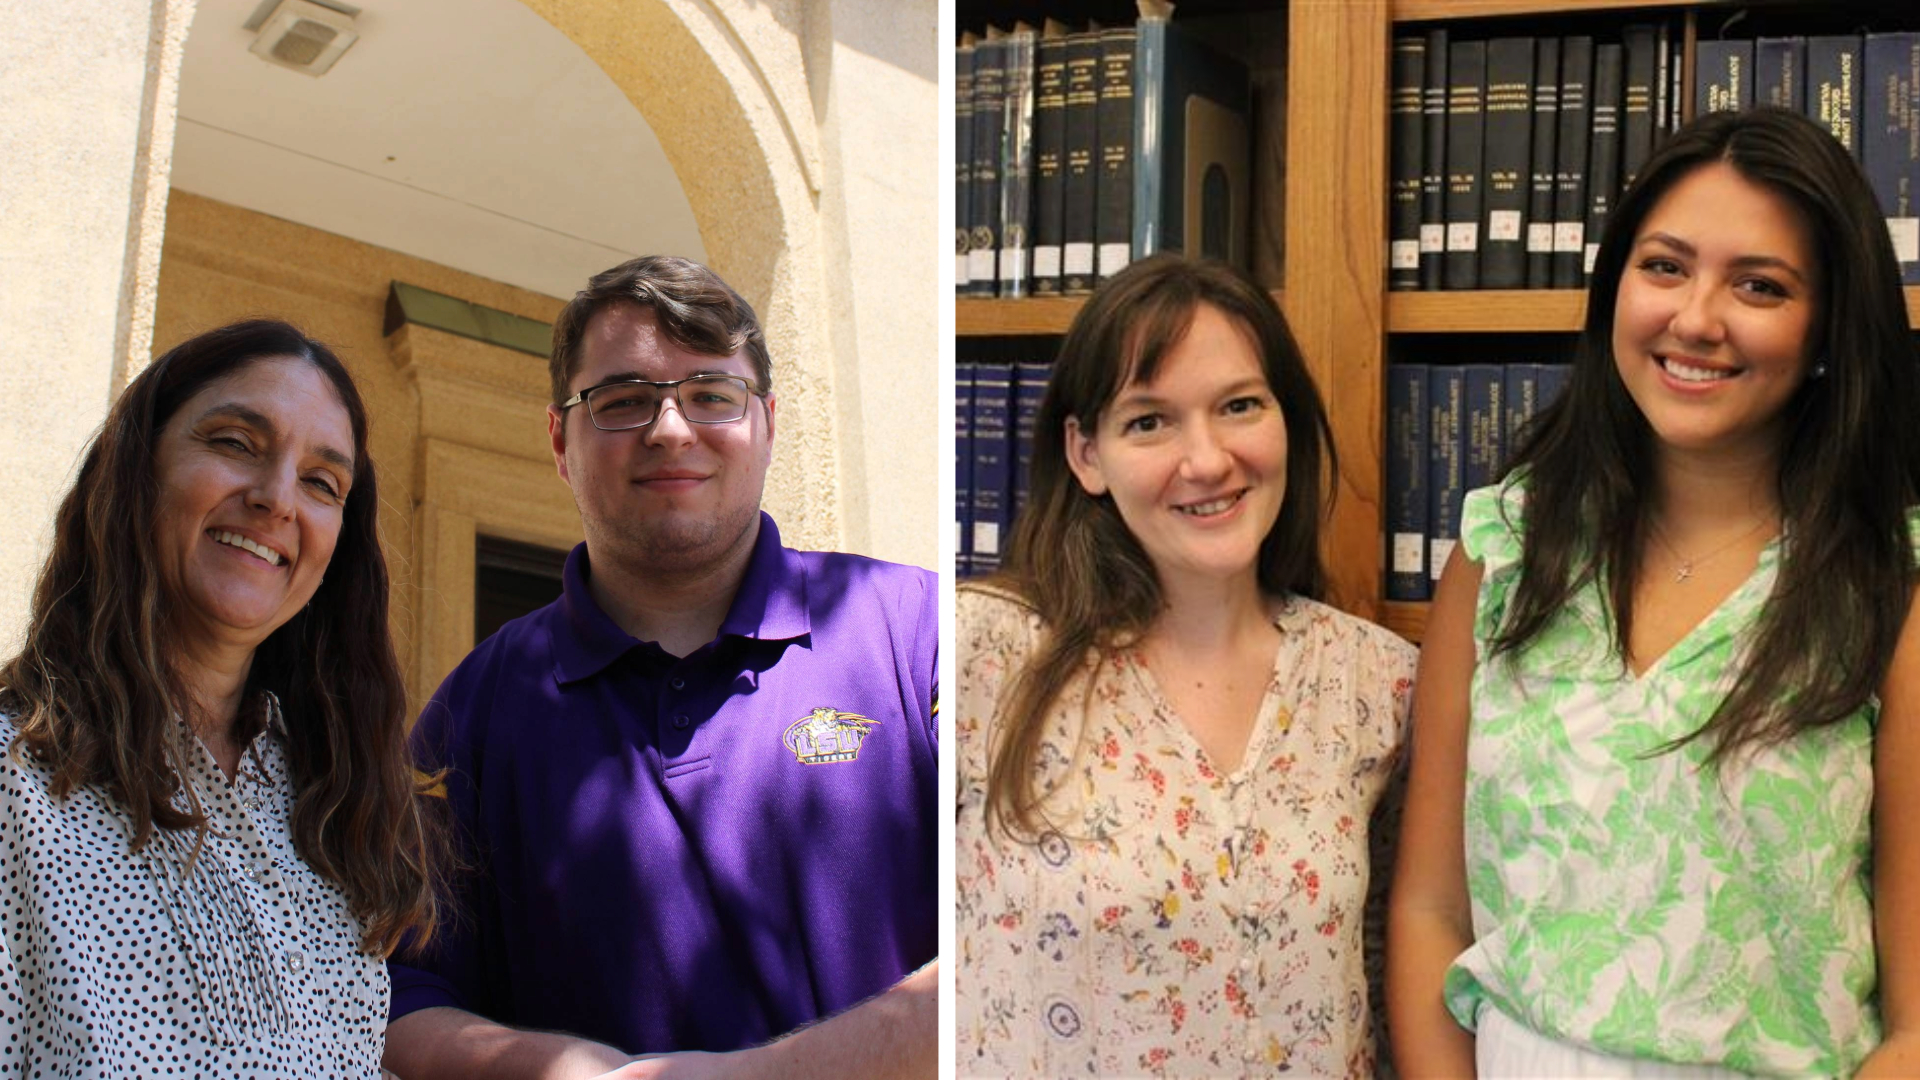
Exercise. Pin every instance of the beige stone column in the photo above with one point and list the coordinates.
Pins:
(86, 143)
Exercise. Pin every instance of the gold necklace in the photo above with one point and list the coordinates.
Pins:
(1685, 569)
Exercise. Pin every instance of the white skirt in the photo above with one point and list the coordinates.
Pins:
(1505, 1048)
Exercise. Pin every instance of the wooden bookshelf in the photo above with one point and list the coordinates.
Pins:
(1486, 310)
(994, 318)
(1451, 10)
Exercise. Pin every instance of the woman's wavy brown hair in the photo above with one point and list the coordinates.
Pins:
(1849, 466)
(1072, 559)
(94, 692)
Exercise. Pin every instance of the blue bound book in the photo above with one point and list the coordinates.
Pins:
(1407, 483)
(1029, 388)
(992, 462)
(1446, 462)
(963, 372)
(1890, 141)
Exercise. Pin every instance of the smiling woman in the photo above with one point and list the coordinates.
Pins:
(209, 832)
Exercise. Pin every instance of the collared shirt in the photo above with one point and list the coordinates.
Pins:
(122, 964)
(695, 853)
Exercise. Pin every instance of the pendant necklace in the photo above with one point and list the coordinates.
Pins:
(1685, 569)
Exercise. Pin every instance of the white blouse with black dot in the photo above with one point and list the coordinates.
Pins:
(118, 964)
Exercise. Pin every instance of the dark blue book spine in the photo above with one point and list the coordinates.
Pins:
(1603, 159)
(1486, 393)
(1546, 123)
(1570, 167)
(1553, 379)
(1405, 129)
(1833, 87)
(1890, 141)
(963, 164)
(1724, 82)
(1407, 508)
(963, 374)
(1433, 163)
(1508, 138)
(1522, 404)
(1466, 156)
(1029, 389)
(1446, 462)
(992, 462)
(1780, 71)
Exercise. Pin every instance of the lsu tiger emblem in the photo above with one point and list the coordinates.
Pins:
(827, 735)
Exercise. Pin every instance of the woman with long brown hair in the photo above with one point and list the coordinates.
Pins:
(210, 836)
(1169, 748)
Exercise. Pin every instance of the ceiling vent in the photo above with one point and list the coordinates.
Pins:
(304, 36)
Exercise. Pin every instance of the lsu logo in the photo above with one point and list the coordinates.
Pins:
(827, 735)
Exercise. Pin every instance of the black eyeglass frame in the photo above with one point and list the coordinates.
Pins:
(671, 387)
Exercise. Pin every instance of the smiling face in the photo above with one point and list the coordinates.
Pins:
(252, 475)
(1196, 460)
(671, 495)
(1715, 309)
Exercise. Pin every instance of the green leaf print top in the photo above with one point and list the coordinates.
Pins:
(1635, 901)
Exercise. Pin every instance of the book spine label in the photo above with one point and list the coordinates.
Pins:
(1508, 103)
(1522, 402)
(1890, 140)
(992, 461)
(1570, 169)
(1466, 148)
(1016, 167)
(1406, 131)
(1407, 520)
(1603, 161)
(1113, 232)
(1636, 100)
(1049, 163)
(1446, 462)
(1029, 390)
(963, 377)
(1082, 160)
(1486, 425)
(989, 98)
(1833, 87)
(1780, 71)
(963, 165)
(1546, 123)
(1725, 83)
(1433, 163)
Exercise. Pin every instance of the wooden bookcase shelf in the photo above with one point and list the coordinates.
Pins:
(995, 318)
(1451, 10)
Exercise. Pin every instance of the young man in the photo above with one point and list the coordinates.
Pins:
(697, 792)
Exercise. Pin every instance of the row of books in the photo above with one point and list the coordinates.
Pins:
(995, 405)
(1508, 154)
(1864, 88)
(1078, 152)
(1450, 429)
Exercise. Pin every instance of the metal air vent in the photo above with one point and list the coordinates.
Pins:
(304, 36)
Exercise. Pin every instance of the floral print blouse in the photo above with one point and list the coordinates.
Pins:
(1175, 920)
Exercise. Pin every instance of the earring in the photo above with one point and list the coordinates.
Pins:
(1819, 370)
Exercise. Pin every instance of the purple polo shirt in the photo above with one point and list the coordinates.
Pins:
(699, 853)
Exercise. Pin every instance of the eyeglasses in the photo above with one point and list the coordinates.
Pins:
(626, 404)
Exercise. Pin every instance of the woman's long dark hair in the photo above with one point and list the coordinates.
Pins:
(1071, 557)
(94, 692)
(1849, 462)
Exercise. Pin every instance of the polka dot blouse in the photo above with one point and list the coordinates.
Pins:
(119, 964)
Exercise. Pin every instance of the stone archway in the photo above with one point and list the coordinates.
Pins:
(723, 85)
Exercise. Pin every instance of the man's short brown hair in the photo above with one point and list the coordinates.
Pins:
(695, 310)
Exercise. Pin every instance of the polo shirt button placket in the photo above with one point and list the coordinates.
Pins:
(680, 721)
(677, 683)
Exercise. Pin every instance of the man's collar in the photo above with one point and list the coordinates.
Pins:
(771, 605)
